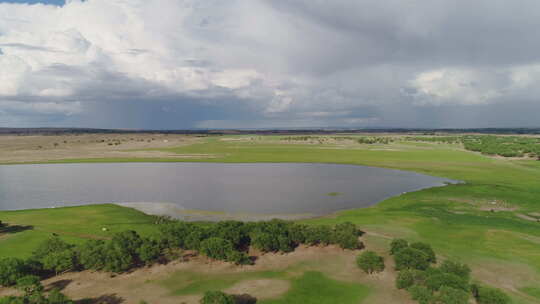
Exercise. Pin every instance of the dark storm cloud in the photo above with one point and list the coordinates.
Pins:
(265, 63)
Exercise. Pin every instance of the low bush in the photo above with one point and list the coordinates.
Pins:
(461, 270)
(437, 280)
(421, 294)
(410, 258)
(488, 295)
(13, 269)
(370, 262)
(346, 236)
(425, 248)
(449, 295)
(216, 248)
(405, 279)
(217, 297)
(398, 244)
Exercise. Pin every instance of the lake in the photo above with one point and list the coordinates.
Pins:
(258, 188)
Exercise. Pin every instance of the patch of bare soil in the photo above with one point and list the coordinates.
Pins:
(14, 149)
(516, 275)
(263, 288)
(174, 211)
(487, 205)
(526, 217)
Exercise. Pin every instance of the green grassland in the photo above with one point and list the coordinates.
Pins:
(484, 222)
(73, 224)
(315, 288)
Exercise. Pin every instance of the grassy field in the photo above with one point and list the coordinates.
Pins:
(488, 222)
(73, 224)
(315, 288)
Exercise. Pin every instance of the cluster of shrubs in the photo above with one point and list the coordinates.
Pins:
(230, 240)
(448, 283)
(33, 293)
(360, 140)
(370, 262)
(374, 140)
(317, 138)
(507, 146)
(217, 297)
(226, 240)
(436, 139)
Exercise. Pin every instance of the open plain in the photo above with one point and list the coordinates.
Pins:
(489, 222)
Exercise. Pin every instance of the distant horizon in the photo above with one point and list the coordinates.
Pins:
(270, 129)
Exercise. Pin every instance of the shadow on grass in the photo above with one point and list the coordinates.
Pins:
(60, 285)
(244, 299)
(14, 228)
(104, 299)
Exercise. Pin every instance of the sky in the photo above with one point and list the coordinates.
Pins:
(180, 64)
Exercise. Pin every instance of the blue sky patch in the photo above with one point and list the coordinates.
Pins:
(53, 2)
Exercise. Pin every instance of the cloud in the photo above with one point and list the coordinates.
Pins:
(262, 63)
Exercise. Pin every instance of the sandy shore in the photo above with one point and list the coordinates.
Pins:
(177, 212)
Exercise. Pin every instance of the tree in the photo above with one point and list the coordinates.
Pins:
(297, 233)
(11, 270)
(216, 248)
(233, 231)
(60, 261)
(264, 241)
(449, 295)
(56, 255)
(425, 248)
(405, 279)
(461, 270)
(217, 297)
(272, 236)
(398, 244)
(51, 245)
(321, 234)
(346, 236)
(437, 280)
(195, 237)
(370, 262)
(117, 259)
(421, 294)
(129, 241)
(149, 251)
(410, 258)
(121, 253)
(29, 284)
(91, 254)
(173, 234)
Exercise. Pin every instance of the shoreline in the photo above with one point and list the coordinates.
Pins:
(193, 215)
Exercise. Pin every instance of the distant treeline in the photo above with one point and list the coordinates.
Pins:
(64, 131)
(359, 139)
(507, 146)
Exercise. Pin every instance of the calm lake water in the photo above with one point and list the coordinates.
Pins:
(235, 188)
